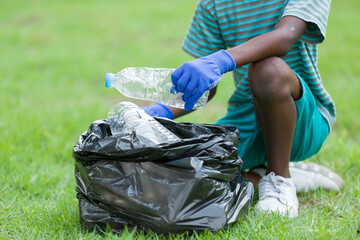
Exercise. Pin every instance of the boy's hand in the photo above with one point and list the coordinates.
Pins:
(195, 77)
(159, 110)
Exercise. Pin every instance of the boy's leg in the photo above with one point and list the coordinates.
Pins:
(272, 83)
(310, 132)
(275, 87)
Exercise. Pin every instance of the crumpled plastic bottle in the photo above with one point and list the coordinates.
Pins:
(153, 84)
(127, 117)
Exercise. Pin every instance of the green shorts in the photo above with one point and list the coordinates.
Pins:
(310, 133)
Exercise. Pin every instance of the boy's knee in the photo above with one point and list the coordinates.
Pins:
(270, 79)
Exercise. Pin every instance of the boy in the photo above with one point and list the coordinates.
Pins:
(279, 105)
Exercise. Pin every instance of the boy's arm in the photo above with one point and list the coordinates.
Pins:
(195, 77)
(275, 43)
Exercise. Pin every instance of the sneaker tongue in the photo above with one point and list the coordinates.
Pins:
(273, 184)
(277, 178)
(288, 181)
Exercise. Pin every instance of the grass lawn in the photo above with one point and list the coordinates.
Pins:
(53, 60)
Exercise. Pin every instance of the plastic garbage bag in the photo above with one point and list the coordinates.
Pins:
(190, 184)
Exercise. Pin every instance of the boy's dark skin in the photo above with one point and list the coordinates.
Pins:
(274, 87)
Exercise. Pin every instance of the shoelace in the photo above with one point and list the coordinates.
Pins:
(271, 186)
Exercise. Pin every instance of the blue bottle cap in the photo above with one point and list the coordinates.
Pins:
(108, 79)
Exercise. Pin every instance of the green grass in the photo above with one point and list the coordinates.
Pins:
(53, 59)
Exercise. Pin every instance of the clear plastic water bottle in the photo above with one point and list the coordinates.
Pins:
(151, 84)
(127, 117)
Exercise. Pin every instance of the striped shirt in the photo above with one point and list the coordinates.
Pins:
(222, 24)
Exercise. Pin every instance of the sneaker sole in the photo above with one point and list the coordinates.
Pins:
(318, 169)
(312, 168)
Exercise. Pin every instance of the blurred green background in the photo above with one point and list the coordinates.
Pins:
(53, 60)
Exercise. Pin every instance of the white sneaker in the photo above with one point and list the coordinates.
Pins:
(311, 176)
(277, 194)
(308, 176)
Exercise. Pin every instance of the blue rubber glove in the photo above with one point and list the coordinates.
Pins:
(194, 78)
(159, 110)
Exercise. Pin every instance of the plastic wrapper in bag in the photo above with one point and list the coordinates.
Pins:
(189, 184)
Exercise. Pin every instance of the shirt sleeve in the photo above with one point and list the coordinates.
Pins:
(204, 36)
(315, 12)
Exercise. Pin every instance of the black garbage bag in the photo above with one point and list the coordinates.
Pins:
(191, 184)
